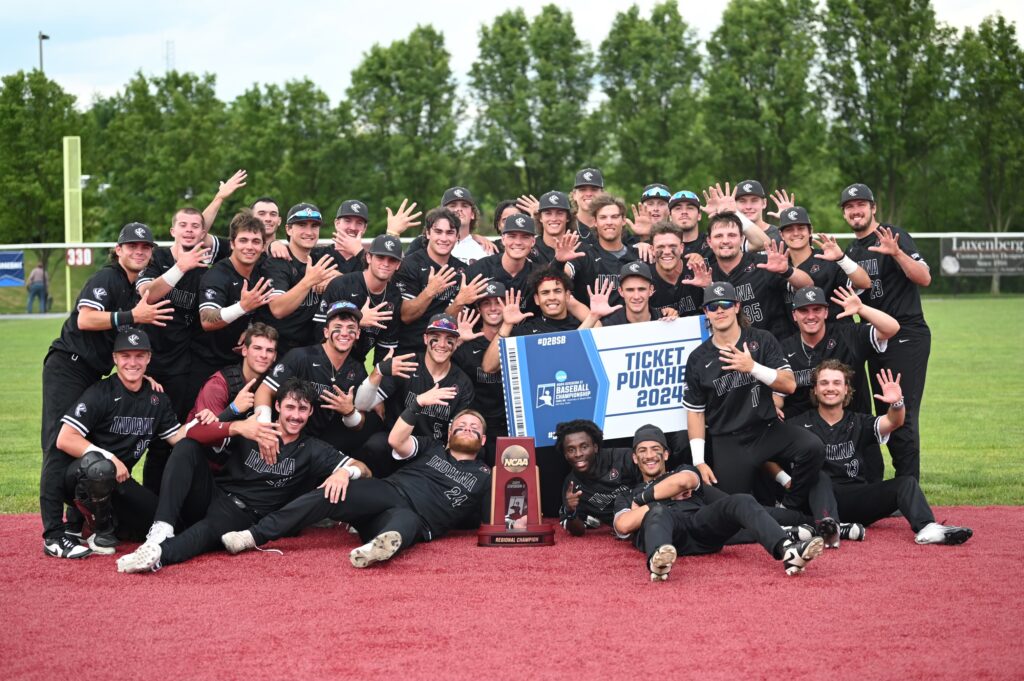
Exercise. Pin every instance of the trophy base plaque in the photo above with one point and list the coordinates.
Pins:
(515, 498)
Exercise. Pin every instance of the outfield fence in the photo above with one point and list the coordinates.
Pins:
(69, 265)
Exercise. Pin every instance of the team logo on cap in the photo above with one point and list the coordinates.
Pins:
(134, 339)
(634, 267)
(389, 244)
(492, 289)
(793, 215)
(553, 199)
(719, 290)
(140, 232)
(520, 222)
(80, 409)
(355, 207)
(459, 193)
(811, 295)
(852, 191)
(748, 187)
(100, 293)
(588, 175)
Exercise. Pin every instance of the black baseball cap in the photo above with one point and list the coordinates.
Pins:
(749, 188)
(797, 215)
(457, 194)
(589, 177)
(135, 233)
(495, 289)
(649, 433)
(856, 192)
(445, 323)
(132, 338)
(809, 295)
(353, 208)
(554, 199)
(304, 211)
(387, 245)
(344, 307)
(520, 222)
(684, 196)
(636, 269)
(656, 191)
(717, 291)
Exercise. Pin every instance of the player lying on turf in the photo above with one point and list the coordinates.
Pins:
(673, 513)
(248, 487)
(851, 438)
(440, 488)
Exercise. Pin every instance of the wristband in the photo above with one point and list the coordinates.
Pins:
(788, 273)
(352, 420)
(173, 275)
(782, 477)
(113, 321)
(409, 415)
(234, 409)
(898, 404)
(99, 450)
(262, 413)
(847, 265)
(764, 374)
(126, 318)
(232, 312)
(353, 472)
(644, 496)
(385, 367)
(697, 450)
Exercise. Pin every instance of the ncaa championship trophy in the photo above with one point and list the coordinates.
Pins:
(515, 498)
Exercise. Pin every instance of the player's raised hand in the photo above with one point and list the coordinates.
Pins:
(888, 242)
(375, 316)
(321, 271)
(232, 184)
(440, 280)
(734, 359)
(641, 222)
(565, 247)
(512, 313)
(890, 387)
(472, 291)
(339, 401)
(468, 318)
(645, 252)
(701, 272)
(246, 397)
(776, 259)
(157, 313)
(400, 367)
(706, 474)
(403, 218)
(572, 497)
(848, 299)
(257, 296)
(437, 395)
(348, 246)
(830, 249)
(783, 201)
(599, 305)
(189, 260)
(529, 204)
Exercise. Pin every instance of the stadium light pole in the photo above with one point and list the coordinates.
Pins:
(42, 37)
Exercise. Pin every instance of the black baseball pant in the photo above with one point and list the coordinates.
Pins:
(868, 502)
(372, 505)
(906, 355)
(707, 529)
(553, 468)
(65, 378)
(176, 387)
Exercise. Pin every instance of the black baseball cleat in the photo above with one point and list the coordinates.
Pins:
(65, 547)
(934, 533)
(661, 562)
(103, 544)
(797, 555)
(852, 531)
(799, 532)
(828, 529)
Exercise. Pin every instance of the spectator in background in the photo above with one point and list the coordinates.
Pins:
(38, 283)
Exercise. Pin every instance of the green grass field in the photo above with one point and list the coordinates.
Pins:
(973, 416)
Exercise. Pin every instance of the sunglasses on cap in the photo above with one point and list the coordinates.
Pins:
(720, 305)
(685, 194)
(656, 193)
(306, 213)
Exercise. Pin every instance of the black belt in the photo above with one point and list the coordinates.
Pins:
(245, 508)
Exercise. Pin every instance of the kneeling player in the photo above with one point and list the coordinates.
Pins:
(668, 514)
(439, 489)
(850, 437)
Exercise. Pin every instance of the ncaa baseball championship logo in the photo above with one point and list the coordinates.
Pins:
(515, 459)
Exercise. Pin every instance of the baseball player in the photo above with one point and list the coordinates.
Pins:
(636, 288)
(897, 270)
(606, 252)
(676, 282)
(668, 514)
(751, 201)
(554, 214)
(265, 210)
(589, 183)
(469, 246)
(440, 488)
(79, 357)
(654, 208)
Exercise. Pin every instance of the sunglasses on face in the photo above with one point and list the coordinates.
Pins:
(723, 305)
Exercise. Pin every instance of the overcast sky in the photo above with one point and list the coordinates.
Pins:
(95, 47)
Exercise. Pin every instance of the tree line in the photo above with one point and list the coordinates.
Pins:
(797, 94)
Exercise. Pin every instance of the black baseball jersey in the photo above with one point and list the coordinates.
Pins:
(851, 344)
(443, 490)
(732, 401)
(221, 286)
(108, 291)
(295, 329)
(828, 276)
(846, 443)
(311, 364)
(693, 503)
(432, 421)
(537, 324)
(352, 287)
(699, 245)
(542, 254)
(301, 466)
(618, 318)
(891, 291)
(612, 473)
(121, 421)
(491, 268)
(598, 266)
(762, 293)
(357, 263)
(171, 343)
(489, 393)
(684, 298)
(411, 279)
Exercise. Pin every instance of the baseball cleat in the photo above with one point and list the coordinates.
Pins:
(852, 531)
(381, 548)
(159, 532)
(828, 529)
(661, 562)
(799, 532)
(798, 554)
(103, 544)
(146, 558)
(934, 533)
(236, 542)
(65, 547)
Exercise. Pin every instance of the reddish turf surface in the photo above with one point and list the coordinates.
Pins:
(583, 609)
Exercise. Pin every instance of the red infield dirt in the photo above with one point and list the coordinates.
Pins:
(583, 609)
